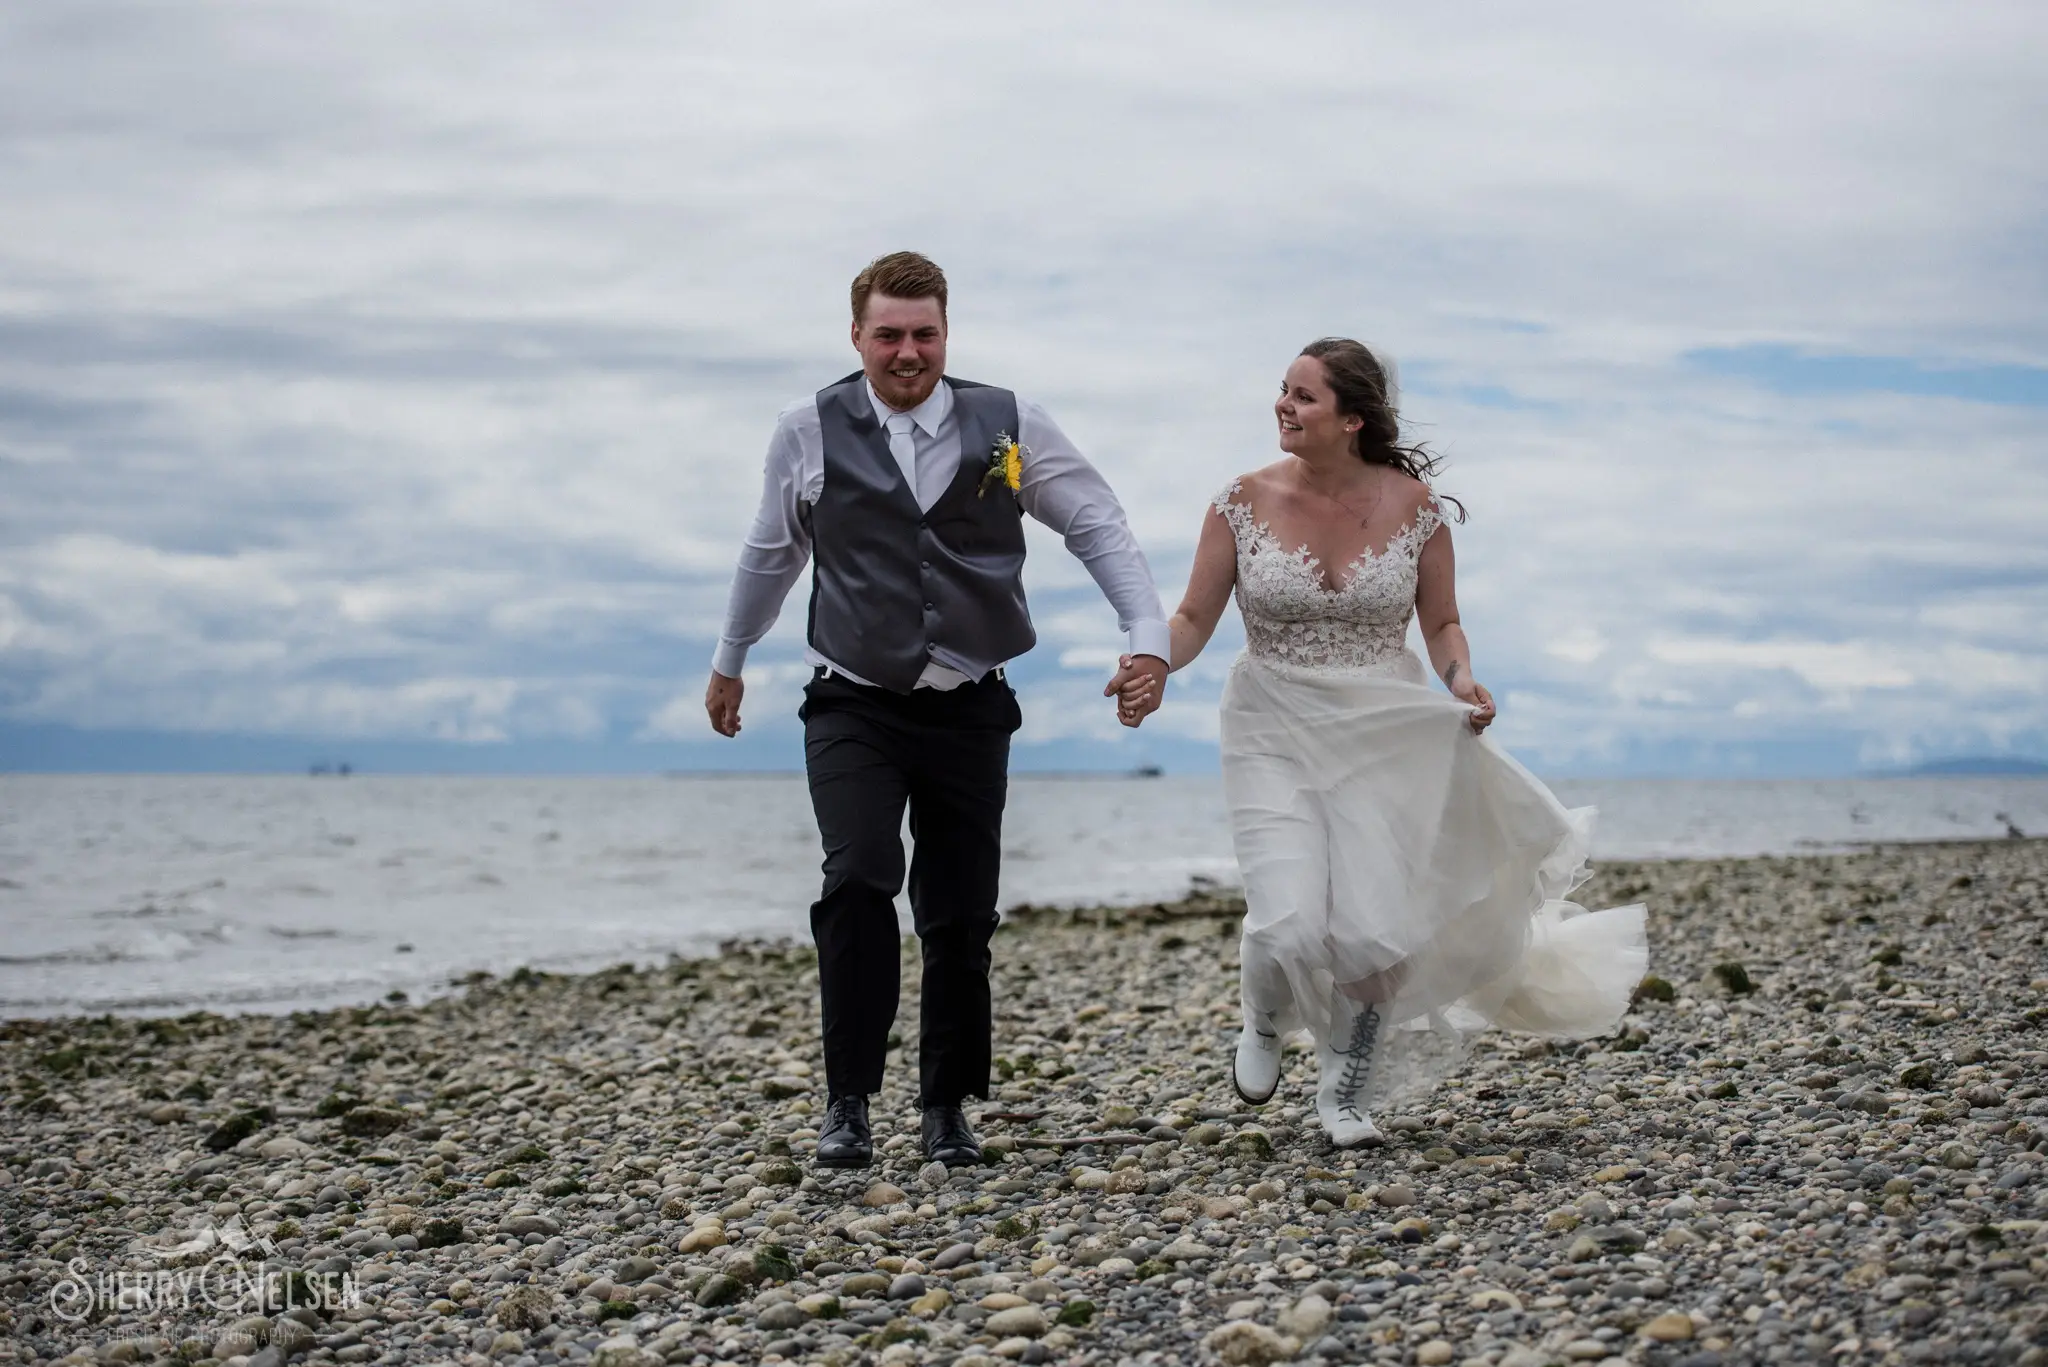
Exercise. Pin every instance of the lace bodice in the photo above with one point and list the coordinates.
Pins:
(1291, 619)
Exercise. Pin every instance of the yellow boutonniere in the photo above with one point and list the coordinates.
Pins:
(1005, 465)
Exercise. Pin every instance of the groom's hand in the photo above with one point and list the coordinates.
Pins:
(722, 701)
(1139, 687)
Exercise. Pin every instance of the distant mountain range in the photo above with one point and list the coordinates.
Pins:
(1979, 764)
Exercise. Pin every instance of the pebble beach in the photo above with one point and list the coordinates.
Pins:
(1821, 1135)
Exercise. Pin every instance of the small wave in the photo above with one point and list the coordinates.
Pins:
(146, 946)
(147, 910)
(317, 933)
(183, 902)
(642, 852)
(98, 954)
(268, 991)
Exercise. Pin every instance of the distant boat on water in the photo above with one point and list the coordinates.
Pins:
(1148, 771)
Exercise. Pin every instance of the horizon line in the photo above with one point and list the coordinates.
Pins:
(2026, 769)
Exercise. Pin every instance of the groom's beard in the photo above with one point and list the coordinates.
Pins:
(904, 393)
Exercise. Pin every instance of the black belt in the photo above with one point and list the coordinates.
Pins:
(828, 672)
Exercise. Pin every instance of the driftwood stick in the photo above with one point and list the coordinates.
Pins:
(1083, 1141)
(1018, 1116)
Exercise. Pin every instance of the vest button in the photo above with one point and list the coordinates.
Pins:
(924, 564)
(929, 608)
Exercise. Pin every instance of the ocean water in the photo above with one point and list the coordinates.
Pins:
(163, 894)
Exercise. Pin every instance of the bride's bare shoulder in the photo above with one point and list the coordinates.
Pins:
(1410, 490)
(1414, 497)
(1246, 487)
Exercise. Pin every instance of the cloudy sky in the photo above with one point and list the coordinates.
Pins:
(398, 376)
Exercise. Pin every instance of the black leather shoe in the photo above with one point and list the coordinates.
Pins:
(948, 1140)
(846, 1141)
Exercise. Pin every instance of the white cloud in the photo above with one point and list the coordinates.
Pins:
(1579, 645)
(405, 371)
(1104, 659)
(1825, 665)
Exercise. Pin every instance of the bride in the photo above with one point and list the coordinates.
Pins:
(1405, 879)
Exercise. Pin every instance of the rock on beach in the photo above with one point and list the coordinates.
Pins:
(1838, 1153)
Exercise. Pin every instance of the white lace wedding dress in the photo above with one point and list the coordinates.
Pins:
(1389, 854)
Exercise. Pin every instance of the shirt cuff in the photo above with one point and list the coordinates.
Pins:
(729, 659)
(1152, 638)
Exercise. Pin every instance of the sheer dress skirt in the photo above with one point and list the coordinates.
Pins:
(1390, 854)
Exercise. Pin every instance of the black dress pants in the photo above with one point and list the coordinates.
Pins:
(946, 755)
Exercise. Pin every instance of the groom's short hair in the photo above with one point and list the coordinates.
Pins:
(900, 275)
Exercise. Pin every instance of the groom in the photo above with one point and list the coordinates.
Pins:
(897, 481)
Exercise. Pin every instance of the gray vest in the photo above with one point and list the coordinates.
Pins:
(893, 584)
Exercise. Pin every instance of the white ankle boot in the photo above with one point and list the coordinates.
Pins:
(1256, 1072)
(1344, 1067)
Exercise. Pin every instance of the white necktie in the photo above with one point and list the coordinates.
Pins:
(905, 450)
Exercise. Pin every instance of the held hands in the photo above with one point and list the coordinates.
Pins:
(1139, 687)
(722, 701)
(1467, 689)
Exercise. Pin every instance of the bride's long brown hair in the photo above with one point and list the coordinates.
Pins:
(1359, 381)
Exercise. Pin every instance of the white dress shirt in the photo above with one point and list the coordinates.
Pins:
(1059, 488)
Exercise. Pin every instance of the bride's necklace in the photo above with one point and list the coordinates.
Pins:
(1365, 518)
